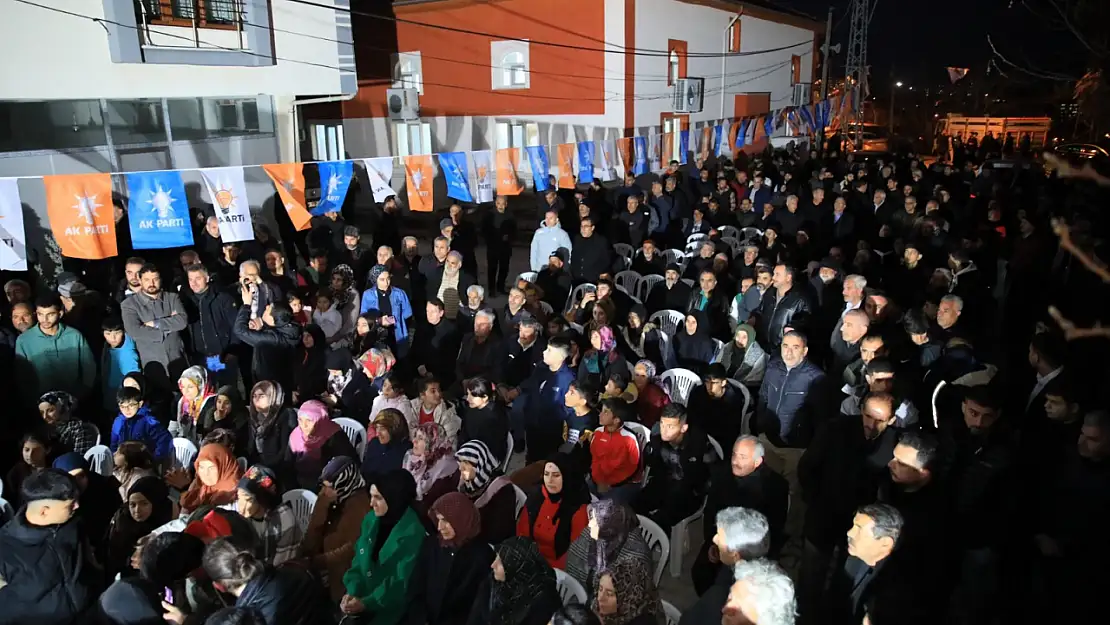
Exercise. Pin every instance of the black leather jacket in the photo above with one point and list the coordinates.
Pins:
(775, 315)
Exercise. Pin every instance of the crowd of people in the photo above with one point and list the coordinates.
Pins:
(844, 364)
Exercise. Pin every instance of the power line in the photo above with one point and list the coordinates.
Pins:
(612, 49)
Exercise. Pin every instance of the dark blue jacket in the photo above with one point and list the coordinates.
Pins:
(546, 392)
(791, 403)
(48, 578)
(146, 429)
(290, 596)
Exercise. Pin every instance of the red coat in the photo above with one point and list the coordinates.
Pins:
(616, 456)
(650, 404)
(544, 531)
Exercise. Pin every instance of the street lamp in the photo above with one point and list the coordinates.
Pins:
(897, 84)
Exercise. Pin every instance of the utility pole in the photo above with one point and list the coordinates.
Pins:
(826, 61)
(856, 64)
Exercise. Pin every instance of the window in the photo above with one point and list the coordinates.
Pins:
(327, 142)
(795, 69)
(509, 135)
(412, 139)
(734, 36)
(676, 60)
(226, 14)
(509, 64)
(407, 71)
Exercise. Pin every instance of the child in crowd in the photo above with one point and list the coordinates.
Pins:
(33, 456)
(327, 317)
(620, 386)
(301, 314)
(135, 423)
(118, 358)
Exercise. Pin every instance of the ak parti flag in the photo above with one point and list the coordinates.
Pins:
(81, 214)
(706, 138)
(289, 181)
(624, 149)
(419, 174)
(508, 182)
(564, 160)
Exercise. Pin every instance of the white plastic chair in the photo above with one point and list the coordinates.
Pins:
(184, 453)
(719, 351)
(527, 276)
(671, 613)
(629, 280)
(97, 430)
(243, 464)
(647, 283)
(578, 293)
(642, 432)
(544, 306)
(6, 510)
(682, 382)
(735, 244)
(624, 250)
(680, 539)
(631, 295)
(716, 447)
(1, 488)
(694, 238)
(100, 459)
(693, 246)
(668, 320)
(729, 231)
(739, 386)
(355, 432)
(302, 501)
(570, 591)
(688, 282)
(674, 256)
(750, 234)
(521, 499)
(655, 537)
(508, 455)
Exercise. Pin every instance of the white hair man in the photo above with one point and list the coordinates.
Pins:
(742, 534)
(762, 594)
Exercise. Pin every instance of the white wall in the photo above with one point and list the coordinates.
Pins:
(703, 28)
(51, 56)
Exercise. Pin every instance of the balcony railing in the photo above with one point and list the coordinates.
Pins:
(192, 23)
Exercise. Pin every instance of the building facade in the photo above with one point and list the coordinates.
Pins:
(573, 70)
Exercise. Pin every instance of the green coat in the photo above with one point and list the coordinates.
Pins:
(62, 362)
(383, 586)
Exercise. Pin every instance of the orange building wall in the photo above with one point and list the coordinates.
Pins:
(456, 66)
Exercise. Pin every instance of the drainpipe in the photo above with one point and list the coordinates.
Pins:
(724, 52)
(295, 110)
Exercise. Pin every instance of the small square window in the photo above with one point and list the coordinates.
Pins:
(509, 63)
(408, 71)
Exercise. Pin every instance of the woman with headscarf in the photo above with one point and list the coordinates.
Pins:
(520, 589)
(392, 304)
(146, 507)
(555, 513)
(345, 301)
(310, 365)
(349, 392)
(693, 346)
(625, 594)
(651, 397)
(376, 363)
(744, 360)
(315, 441)
(258, 500)
(341, 505)
(197, 399)
(385, 452)
(217, 477)
(271, 424)
(493, 494)
(66, 430)
(602, 359)
(228, 413)
(432, 463)
(612, 536)
(453, 564)
(639, 338)
(386, 553)
(131, 462)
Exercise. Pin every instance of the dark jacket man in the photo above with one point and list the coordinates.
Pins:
(274, 345)
(775, 315)
(762, 490)
(791, 402)
(211, 321)
(435, 347)
(590, 258)
(662, 297)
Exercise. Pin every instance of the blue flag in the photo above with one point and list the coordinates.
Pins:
(769, 124)
(741, 131)
(157, 210)
(718, 132)
(453, 165)
(585, 161)
(683, 146)
(541, 167)
(335, 178)
(640, 157)
(823, 109)
(806, 113)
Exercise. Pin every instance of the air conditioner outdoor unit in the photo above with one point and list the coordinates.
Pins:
(689, 95)
(404, 104)
(802, 93)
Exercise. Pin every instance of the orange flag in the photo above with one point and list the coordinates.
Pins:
(564, 152)
(419, 174)
(733, 128)
(706, 142)
(289, 181)
(81, 214)
(624, 147)
(668, 148)
(508, 182)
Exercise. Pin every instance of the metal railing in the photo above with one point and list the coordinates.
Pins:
(194, 14)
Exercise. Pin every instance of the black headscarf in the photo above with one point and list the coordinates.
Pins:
(698, 347)
(126, 531)
(310, 370)
(398, 488)
(574, 495)
(641, 313)
(527, 577)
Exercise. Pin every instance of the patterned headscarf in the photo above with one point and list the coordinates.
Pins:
(189, 411)
(635, 589)
(64, 404)
(344, 476)
(223, 491)
(527, 576)
(261, 422)
(608, 341)
(341, 297)
(614, 522)
(261, 483)
(653, 375)
(428, 468)
(476, 452)
(458, 510)
(372, 277)
(377, 361)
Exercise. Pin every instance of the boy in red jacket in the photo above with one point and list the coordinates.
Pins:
(615, 468)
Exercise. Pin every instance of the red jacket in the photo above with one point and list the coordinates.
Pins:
(650, 404)
(616, 456)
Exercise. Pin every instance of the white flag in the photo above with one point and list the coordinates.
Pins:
(13, 239)
(606, 157)
(228, 193)
(655, 144)
(724, 149)
(483, 175)
(380, 171)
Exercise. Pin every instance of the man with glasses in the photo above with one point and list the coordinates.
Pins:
(591, 255)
